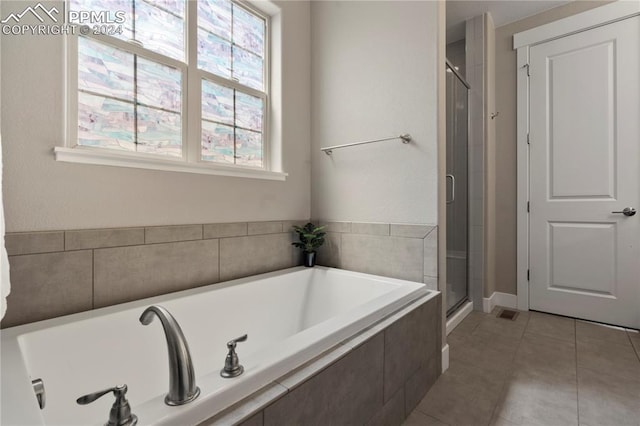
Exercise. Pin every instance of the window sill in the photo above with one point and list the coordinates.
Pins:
(120, 159)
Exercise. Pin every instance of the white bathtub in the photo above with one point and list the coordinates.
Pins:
(291, 316)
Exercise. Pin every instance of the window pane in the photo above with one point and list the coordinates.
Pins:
(247, 68)
(108, 8)
(104, 70)
(215, 17)
(159, 85)
(214, 54)
(217, 102)
(159, 30)
(217, 143)
(248, 31)
(174, 6)
(159, 132)
(105, 122)
(248, 148)
(248, 111)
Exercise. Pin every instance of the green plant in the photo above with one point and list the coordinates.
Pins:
(311, 237)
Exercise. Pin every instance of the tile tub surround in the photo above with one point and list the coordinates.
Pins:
(397, 250)
(57, 273)
(375, 378)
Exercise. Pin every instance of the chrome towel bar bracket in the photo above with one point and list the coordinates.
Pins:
(405, 138)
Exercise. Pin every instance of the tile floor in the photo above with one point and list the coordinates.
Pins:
(537, 370)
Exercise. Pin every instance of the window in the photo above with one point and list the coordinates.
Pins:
(141, 89)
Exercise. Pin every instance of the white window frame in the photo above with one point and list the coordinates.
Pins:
(191, 118)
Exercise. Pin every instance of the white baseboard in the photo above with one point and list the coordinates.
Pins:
(459, 316)
(499, 299)
(445, 358)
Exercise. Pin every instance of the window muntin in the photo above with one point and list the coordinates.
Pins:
(133, 101)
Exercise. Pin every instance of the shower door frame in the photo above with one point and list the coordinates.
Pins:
(459, 304)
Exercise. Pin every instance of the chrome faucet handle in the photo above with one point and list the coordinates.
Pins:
(120, 414)
(231, 344)
(232, 367)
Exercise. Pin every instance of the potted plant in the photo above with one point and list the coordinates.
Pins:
(311, 238)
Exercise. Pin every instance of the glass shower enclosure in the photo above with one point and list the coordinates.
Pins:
(457, 190)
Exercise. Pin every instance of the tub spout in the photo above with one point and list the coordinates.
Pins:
(182, 383)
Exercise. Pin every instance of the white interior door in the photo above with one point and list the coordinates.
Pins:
(584, 165)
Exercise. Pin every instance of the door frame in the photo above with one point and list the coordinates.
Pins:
(522, 42)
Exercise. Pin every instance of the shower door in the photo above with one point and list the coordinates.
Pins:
(457, 190)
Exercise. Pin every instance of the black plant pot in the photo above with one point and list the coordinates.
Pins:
(309, 258)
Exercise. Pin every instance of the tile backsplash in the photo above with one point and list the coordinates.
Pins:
(63, 272)
(398, 250)
(57, 273)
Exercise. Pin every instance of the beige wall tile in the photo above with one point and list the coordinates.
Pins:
(48, 285)
(259, 228)
(410, 230)
(287, 225)
(129, 273)
(392, 413)
(431, 254)
(409, 344)
(100, 238)
(431, 282)
(389, 256)
(34, 242)
(370, 228)
(244, 256)
(421, 381)
(319, 401)
(221, 230)
(168, 234)
(330, 252)
(343, 227)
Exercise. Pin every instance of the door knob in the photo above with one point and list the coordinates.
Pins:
(627, 211)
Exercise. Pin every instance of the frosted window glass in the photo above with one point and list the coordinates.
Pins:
(159, 132)
(248, 111)
(248, 148)
(217, 102)
(159, 85)
(217, 143)
(105, 123)
(159, 30)
(248, 31)
(105, 70)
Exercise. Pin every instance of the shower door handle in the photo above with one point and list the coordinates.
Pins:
(453, 189)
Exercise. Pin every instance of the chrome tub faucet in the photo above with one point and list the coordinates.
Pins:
(182, 383)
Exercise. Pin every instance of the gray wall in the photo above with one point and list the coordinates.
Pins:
(505, 152)
(374, 68)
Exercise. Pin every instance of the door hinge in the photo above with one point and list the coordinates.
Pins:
(528, 69)
(528, 139)
(528, 275)
(528, 207)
